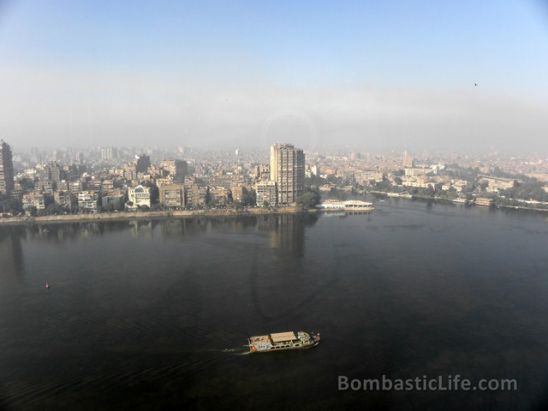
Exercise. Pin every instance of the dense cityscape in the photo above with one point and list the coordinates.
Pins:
(64, 181)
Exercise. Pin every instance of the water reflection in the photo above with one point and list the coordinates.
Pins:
(11, 252)
(286, 232)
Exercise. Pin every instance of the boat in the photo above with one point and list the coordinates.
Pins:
(348, 206)
(283, 341)
(399, 195)
(46, 285)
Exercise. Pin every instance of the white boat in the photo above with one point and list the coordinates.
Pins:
(349, 206)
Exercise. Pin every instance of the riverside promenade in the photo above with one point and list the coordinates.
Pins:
(149, 215)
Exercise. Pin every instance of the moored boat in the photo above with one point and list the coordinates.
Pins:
(354, 206)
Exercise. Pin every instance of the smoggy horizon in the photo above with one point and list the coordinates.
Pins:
(464, 78)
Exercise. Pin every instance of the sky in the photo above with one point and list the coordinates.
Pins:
(376, 75)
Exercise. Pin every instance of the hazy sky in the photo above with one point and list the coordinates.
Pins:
(375, 74)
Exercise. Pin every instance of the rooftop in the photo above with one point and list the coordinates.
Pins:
(285, 336)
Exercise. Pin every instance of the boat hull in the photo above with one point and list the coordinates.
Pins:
(266, 343)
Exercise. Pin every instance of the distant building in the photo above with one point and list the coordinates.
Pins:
(172, 195)
(266, 193)
(408, 160)
(262, 172)
(64, 199)
(130, 172)
(369, 177)
(287, 171)
(138, 197)
(107, 186)
(195, 194)
(113, 200)
(142, 164)
(75, 187)
(34, 200)
(484, 201)
(7, 183)
(416, 182)
(54, 174)
(238, 192)
(417, 171)
(87, 201)
(496, 184)
(218, 195)
(177, 169)
(108, 154)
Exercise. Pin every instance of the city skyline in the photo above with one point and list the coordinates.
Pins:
(381, 76)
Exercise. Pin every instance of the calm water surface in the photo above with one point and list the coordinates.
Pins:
(154, 314)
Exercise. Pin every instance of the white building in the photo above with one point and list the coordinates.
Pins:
(34, 199)
(87, 201)
(138, 197)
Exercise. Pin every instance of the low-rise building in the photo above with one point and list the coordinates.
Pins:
(266, 193)
(113, 200)
(107, 186)
(87, 201)
(35, 200)
(416, 182)
(496, 184)
(219, 195)
(172, 195)
(195, 195)
(64, 199)
(417, 171)
(484, 201)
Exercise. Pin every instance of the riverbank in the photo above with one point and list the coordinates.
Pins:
(447, 201)
(150, 215)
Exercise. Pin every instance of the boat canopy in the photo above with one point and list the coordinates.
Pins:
(280, 337)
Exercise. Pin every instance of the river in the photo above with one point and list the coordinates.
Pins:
(154, 314)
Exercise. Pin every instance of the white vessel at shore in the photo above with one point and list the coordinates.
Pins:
(348, 206)
(399, 195)
(288, 340)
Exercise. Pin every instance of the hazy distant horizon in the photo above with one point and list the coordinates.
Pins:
(377, 77)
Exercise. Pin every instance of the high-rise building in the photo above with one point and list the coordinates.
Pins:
(143, 163)
(408, 161)
(6, 169)
(178, 169)
(287, 171)
(108, 154)
(54, 173)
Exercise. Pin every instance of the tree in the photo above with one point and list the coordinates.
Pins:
(383, 185)
(11, 205)
(208, 198)
(249, 198)
(27, 184)
(55, 209)
(309, 199)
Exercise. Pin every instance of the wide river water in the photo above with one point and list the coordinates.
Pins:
(155, 314)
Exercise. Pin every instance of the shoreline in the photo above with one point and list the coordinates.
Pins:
(148, 215)
(182, 214)
(446, 201)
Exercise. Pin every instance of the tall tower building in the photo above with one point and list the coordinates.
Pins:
(287, 171)
(408, 161)
(142, 163)
(6, 169)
